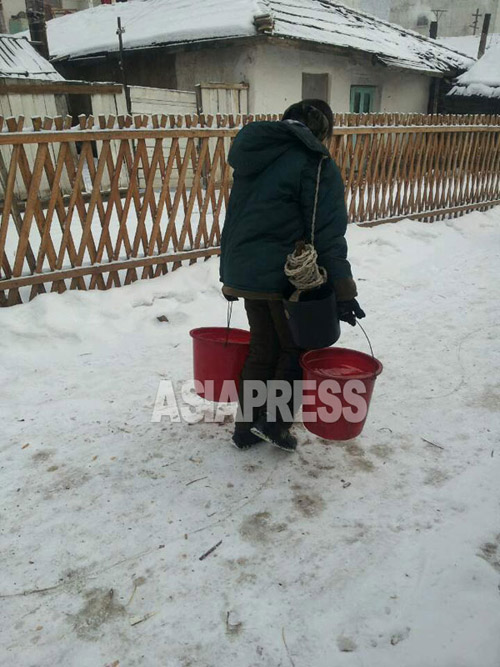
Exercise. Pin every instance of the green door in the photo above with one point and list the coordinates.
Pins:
(362, 99)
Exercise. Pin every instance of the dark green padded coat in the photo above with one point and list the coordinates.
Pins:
(271, 206)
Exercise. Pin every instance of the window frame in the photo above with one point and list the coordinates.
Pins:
(363, 91)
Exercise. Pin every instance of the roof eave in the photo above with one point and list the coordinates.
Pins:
(250, 40)
(434, 72)
(460, 91)
(346, 51)
(169, 47)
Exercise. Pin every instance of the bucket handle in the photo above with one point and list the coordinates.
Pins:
(366, 336)
(228, 320)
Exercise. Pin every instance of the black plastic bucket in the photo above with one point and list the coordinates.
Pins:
(313, 320)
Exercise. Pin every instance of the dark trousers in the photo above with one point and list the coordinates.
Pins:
(273, 354)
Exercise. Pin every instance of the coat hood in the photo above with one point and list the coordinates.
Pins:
(259, 144)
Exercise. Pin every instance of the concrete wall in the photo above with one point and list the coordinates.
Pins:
(405, 92)
(274, 74)
(278, 80)
(381, 8)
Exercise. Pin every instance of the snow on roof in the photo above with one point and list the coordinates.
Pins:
(333, 23)
(483, 78)
(19, 60)
(150, 23)
(469, 44)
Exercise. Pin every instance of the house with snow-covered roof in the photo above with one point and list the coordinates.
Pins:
(478, 89)
(281, 49)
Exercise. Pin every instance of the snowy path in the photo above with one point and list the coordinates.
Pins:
(102, 522)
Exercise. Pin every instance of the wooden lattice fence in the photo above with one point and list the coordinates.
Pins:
(114, 200)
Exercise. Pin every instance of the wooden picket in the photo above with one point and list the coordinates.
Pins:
(415, 166)
(114, 200)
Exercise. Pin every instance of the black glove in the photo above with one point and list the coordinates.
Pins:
(228, 297)
(348, 311)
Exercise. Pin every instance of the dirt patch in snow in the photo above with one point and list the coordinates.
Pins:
(251, 467)
(490, 552)
(488, 399)
(357, 458)
(308, 504)
(100, 608)
(362, 464)
(436, 477)
(382, 451)
(43, 455)
(354, 450)
(259, 528)
(399, 637)
(346, 644)
(69, 481)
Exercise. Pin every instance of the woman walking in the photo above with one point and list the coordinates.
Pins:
(271, 205)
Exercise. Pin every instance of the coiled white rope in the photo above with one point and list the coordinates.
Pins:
(301, 267)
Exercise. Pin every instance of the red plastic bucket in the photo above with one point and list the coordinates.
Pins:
(337, 407)
(218, 355)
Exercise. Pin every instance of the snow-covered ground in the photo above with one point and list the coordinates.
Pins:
(379, 552)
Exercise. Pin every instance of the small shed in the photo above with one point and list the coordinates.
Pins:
(31, 87)
(27, 81)
(477, 91)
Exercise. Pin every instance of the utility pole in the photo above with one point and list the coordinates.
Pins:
(35, 12)
(438, 13)
(120, 32)
(475, 23)
(435, 82)
(484, 35)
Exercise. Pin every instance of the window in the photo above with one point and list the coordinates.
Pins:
(315, 86)
(362, 99)
(422, 20)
